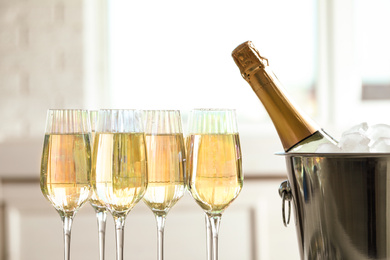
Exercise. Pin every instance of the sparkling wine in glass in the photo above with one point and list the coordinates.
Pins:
(98, 205)
(214, 164)
(66, 165)
(119, 165)
(166, 166)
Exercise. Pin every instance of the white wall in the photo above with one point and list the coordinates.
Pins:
(41, 67)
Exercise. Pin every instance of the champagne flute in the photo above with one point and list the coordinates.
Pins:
(119, 166)
(166, 166)
(97, 205)
(214, 164)
(66, 165)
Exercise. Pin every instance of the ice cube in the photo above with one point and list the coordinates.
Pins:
(328, 148)
(360, 128)
(354, 143)
(375, 132)
(382, 145)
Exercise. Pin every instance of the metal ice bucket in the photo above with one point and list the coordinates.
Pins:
(341, 204)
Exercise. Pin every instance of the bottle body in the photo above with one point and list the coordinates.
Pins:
(297, 132)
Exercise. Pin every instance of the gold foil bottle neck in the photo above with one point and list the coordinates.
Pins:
(292, 125)
(248, 59)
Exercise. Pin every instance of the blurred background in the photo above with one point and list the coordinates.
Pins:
(331, 56)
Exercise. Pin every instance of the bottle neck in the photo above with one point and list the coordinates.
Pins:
(291, 124)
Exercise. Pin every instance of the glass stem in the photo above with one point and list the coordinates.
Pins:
(67, 226)
(101, 221)
(119, 236)
(160, 236)
(209, 241)
(215, 221)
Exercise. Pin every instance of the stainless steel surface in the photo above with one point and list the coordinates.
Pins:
(341, 204)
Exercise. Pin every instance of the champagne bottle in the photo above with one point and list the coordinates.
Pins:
(297, 132)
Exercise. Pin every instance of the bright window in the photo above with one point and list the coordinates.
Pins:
(177, 54)
(372, 47)
(331, 56)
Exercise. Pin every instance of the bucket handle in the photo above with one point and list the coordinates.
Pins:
(285, 194)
